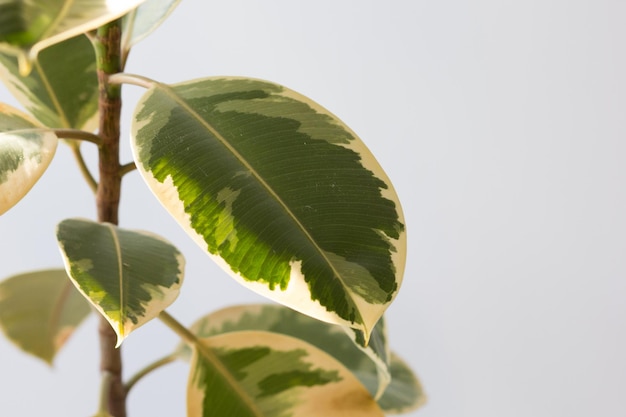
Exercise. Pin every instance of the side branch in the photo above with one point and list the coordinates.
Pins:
(129, 167)
(76, 134)
(178, 328)
(145, 371)
(138, 80)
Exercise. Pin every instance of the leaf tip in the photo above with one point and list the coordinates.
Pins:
(366, 332)
(116, 325)
(120, 339)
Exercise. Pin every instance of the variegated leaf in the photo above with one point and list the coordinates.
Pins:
(391, 381)
(129, 276)
(62, 89)
(259, 374)
(141, 21)
(405, 392)
(27, 27)
(369, 364)
(40, 310)
(26, 149)
(279, 191)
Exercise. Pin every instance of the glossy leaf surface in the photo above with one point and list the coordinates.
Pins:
(266, 374)
(405, 392)
(141, 21)
(40, 310)
(283, 195)
(27, 27)
(26, 150)
(129, 276)
(368, 364)
(62, 89)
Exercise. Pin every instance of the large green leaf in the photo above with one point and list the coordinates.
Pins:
(27, 26)
(405, 392)
(283, 195)
(129, 276)
(40, 310)
(369, 364)
(141, 21)
(259, 374)
(26, 150)
(62, 89)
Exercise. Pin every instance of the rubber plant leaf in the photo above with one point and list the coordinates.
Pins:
(62, 89)
(369, 365)
(27, 27)
(259, 374)
(141, 21)
(405, 392)
(40, 310)
(129, 276)
(26, 149)
(282, 194)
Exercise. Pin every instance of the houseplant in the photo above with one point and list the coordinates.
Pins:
(296, 190)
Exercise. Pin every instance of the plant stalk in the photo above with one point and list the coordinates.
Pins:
(108, 60)
(145, 371)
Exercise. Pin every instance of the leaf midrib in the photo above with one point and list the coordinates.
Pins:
(120, 271)
(205, 351)
(53, 96)
(62, 13)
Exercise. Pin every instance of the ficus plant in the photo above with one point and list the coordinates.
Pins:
(278, 191)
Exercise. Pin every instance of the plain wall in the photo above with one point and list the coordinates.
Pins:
(502, 126)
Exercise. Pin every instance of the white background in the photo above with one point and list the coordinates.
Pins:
(501, 124)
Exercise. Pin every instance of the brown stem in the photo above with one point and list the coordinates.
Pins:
(111, 364)
(108, 55)
(129, 167)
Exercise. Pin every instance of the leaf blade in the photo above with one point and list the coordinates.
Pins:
(405, 393)
(27, 27)
(283, 195)
(128, 276)
(40, 310)
(270, 375)
(143, 20)
(368, 364)
(26, 150)
(62, 89)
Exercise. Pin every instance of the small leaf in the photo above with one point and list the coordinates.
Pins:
(260, 374)
(129, 276)
(141, 21)
(369, 364)
(27, 27)
(62, 89)
(39, 311)
(405, 392)
(26, 150)
(278, 191)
